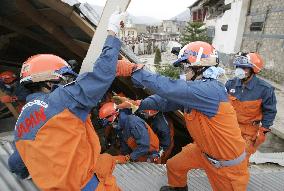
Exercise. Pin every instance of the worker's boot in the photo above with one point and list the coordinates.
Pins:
(169, 188)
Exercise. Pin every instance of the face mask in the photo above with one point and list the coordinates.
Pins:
(240, 73)
(182, 77)
(213, 72)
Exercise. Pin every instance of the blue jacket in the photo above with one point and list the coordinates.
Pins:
(255, 89)
(203, 95)
(133, 126)
(51, 124)
(161, 128)
(210, 118)
(15, 90)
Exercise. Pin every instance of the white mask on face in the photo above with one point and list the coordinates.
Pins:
(182, 77)
(240, 73)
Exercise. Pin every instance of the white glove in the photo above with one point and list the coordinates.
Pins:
(114, 21)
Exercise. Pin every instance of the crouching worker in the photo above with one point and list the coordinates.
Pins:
(54, 135)
(16, 93)
(161, 125)
(138, 142)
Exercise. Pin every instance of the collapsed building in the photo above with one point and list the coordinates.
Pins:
(65, 28)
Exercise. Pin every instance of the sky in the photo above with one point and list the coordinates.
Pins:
(160, 9)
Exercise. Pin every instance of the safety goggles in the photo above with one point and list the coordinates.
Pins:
(107, 121)
(243, 62)
(184, 58)
(65, 71)
(104, 122)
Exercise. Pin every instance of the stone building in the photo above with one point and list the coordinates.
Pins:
(264, 33)
(246, 25)
(173, 26)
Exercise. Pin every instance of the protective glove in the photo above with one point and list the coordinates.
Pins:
(121, 159)
(125, 68)
(154, 158)
(8, 99)
(125, 103)
(116, 21)
(260, 136)
(161, 152)
(119, 99)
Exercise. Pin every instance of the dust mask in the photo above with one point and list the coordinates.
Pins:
(182, 77)
(240, 73)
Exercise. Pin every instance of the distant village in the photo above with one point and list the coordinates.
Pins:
(144, 39)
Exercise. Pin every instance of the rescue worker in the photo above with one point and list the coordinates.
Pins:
(164, 129)
(15, 93)
(54, 135)
(218, 146)
(162, 126)
(138, 142)
(253, 99)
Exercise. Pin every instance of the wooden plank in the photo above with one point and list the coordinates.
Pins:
(82, 23)
(69, 12)
(41, 39)
(50, 27)
(10, 106)
(101, 34)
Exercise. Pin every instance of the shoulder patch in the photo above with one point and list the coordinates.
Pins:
(232, 91)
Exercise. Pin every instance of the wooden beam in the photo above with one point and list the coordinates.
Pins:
(69, 12)
(50, 27)
(14, 27)
(101, 33)
(58, 5)
(82, 44)
(22, 31)
(82, 24)
(10, 63)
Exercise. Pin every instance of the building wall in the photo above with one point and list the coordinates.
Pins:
(173, 26)
(131, 32)
(270, 41)
(141, 28)
(230, 41)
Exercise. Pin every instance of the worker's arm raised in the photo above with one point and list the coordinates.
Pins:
(90, 87)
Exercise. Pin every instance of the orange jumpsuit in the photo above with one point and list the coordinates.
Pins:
(255, 105)
(212, 123)
(54, 134)
(137, 138)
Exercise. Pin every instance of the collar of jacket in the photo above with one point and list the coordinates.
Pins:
(251, 83)
(34, 96)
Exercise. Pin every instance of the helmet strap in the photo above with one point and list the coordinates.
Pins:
(245, 80)
(48, 87)
(198, 71)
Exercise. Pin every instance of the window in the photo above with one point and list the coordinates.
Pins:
(256, 26)
(194, 16)
(200, 15)
(224, 27)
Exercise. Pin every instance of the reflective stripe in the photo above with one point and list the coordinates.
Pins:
(92, 184)
(224, 163)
